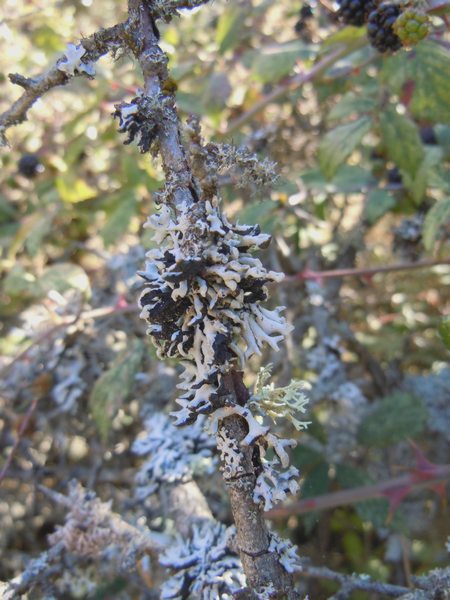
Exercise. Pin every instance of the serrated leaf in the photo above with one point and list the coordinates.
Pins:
(418, 187)
(377, 204)
(444, 330)
(438, 215)
(401, 141)
(36, 236)
(113, 387)
(396, 71)
(338, 144)
(431, 76)
(351, 104)
(395, 418)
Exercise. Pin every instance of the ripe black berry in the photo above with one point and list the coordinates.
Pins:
(428, 136)
(354, 12)
(380, 28)
(394, 176)
(306, 12)
(29, 166)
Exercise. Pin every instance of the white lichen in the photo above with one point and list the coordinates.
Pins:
(173, 454)
(71, 62)
(287, 553)
(282, 402)
(203, 566)
(273, 486)
(203, 297)
(231, 456)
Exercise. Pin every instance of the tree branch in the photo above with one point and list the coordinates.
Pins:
(355, 582)
(96, 45)
(293, 83)
(262, 567)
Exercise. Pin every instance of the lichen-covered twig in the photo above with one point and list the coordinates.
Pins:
(202, 296)
(82, 56)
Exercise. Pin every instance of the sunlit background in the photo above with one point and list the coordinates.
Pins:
(73, 202)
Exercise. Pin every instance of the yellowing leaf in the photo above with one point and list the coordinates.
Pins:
(73, 190)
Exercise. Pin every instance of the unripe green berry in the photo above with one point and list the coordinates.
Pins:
(411, 27)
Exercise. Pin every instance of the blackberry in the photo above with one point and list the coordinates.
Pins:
(428, 136)
(29, 166)
(394, 176)
(306, 13)
(412, 27)
(354, 12)
(380, 28)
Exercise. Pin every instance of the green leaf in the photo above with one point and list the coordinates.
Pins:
(36, 236)
(338, 144)
(118, 220)
(444, 330)
(396, 70)
(346, 36)
(423, 177)
(275, 62)
(352, 104)
(64, 276)
(402, 142)
(47, 39)
(438, 215)
(20, 283)
(112, 389)
(230, 27)
(395, 418)
(431, 76)
(378, 203)
(260, 212)
(189, 103)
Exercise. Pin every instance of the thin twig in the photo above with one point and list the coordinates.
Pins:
(365, 271)
(96, 313)
(289, 85)
(22, 429)
(355, 582)
(96, 45)
(417, 479)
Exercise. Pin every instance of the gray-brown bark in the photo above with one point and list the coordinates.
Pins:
(262, 568)
(95, 45)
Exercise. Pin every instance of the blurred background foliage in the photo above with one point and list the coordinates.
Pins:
(363, 149)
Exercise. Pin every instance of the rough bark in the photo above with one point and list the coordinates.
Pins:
(262, 568)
